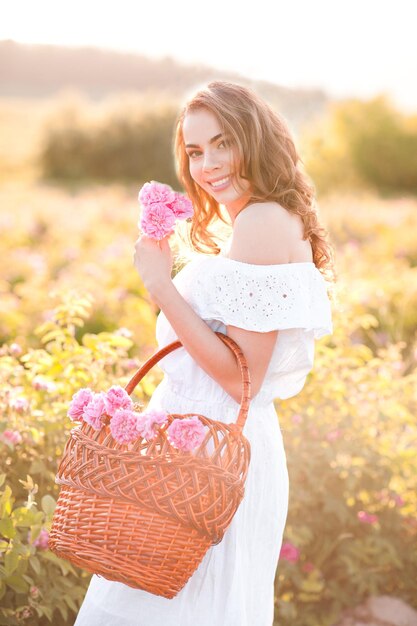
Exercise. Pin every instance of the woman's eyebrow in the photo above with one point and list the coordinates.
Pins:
(212, 140)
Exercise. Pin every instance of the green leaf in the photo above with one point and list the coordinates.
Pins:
(22, 549)
(117, 341)
(63, 610)
(36, 566)
(27, 578)
(53, 334)
(89, 341)
(67, 568)
(47, 611)
(11, 561)
(17, 583)
(35, 434)
(48, 504)
(6, 502)
(71, 603)
(24, 517)
(7, 529)
(64, 565)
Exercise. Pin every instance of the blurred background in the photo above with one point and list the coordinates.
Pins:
(88, 97)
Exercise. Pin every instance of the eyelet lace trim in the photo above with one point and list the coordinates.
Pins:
(261, 297)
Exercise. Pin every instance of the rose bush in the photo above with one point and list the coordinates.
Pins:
(350, 439)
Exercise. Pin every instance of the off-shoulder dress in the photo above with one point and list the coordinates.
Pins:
(234, 583)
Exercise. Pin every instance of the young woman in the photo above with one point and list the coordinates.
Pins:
(269, 294)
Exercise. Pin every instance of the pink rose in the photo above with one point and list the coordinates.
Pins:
(289, 552)
(15, 349)
(41, 384)
(182, 207)
(23, 613)
(117, 398)
(308, 567)
(155, 192)
(78, 403)
(95, 409)
(157, 221)
(20, 405)
(123, 426)
(42, 540)
(399, 501)
(186, 434)
(333, 435)
(367, 518)
(147, 421)
(131, 364)
(11, 437)
(34, 592)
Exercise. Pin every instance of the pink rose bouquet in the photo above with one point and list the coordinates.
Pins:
(127, 425)
(161, 208)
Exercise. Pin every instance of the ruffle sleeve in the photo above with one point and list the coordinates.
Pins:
(262, 297)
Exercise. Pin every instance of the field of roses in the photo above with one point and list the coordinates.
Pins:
(74, 314)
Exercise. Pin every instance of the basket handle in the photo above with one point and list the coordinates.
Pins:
(244, 371)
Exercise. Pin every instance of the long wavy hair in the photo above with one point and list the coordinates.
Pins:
(266, 156)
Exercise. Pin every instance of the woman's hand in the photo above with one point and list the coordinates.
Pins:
(153, 260)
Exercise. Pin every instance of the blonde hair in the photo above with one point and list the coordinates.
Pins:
(267, 157)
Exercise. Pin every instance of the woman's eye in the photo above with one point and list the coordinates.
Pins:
(194, 153)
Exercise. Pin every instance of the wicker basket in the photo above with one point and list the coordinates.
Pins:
(145, 515)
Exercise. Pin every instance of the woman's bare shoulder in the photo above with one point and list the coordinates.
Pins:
(267, 233)
(267, 210)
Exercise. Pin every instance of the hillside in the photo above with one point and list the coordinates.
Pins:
(40, 71)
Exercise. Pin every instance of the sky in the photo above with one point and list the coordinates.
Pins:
(346, 47)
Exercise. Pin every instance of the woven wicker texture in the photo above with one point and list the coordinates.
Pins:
(146, 513)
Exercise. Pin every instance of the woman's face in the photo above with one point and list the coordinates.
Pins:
(211, 160)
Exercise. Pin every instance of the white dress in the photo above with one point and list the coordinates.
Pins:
(234, 583)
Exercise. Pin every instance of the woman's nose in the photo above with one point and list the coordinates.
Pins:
(210, 162)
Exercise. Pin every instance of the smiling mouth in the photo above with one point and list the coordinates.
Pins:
(220, 183)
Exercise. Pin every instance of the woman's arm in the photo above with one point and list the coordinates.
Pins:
(203, 345)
